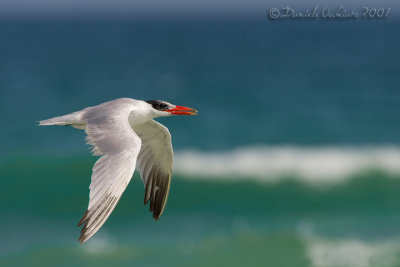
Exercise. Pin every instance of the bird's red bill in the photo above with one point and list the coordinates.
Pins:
(179, 110)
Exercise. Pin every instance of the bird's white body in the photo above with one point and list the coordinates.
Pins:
(125, 135)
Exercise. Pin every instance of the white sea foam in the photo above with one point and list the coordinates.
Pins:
(345, 251)
(351, 253)
(270, 163)
(101, 243)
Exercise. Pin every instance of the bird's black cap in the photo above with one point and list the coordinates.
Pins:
(158, 104)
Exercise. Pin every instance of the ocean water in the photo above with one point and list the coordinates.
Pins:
(293, 160)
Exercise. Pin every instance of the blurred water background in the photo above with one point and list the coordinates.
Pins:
(293, 160)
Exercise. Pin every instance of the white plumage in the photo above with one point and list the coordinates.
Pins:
(125, 135)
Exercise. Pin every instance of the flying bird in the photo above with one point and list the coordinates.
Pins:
(124, 134)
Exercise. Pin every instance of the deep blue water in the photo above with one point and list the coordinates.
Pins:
(253, 81)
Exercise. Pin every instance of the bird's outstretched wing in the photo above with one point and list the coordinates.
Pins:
(154, 163)
(109, 132)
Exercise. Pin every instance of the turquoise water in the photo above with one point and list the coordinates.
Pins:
(204, 223)
(294, 87)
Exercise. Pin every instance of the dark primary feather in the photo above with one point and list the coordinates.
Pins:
(156, 191)
(101, 212)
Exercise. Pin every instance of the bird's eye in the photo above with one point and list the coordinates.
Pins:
(163, 106)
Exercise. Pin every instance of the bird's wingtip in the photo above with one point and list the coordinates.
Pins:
(83, 219)
(81, 239)
(157, 215)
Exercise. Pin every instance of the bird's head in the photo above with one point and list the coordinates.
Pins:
(163, 108)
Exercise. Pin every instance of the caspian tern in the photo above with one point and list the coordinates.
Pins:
(125, 135)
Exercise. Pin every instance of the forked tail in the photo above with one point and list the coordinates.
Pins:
(74, 119)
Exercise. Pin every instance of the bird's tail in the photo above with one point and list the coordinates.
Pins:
(74, 119)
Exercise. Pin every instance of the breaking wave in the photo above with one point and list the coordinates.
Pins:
(271, 163)
(351, 252)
